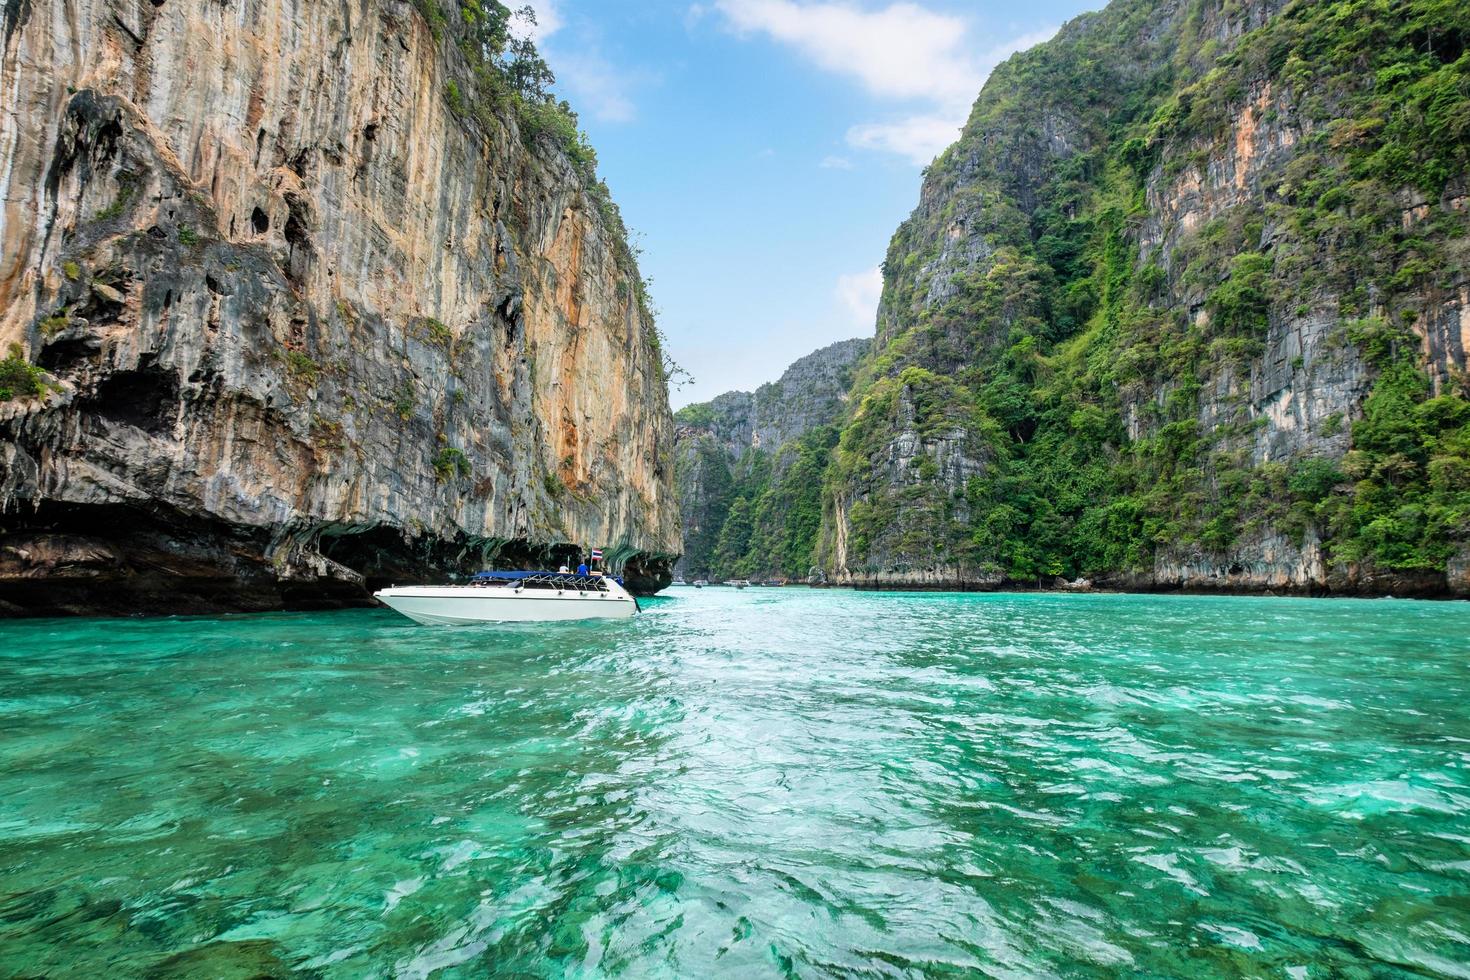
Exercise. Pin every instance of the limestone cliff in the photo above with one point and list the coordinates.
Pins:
(758, 457)
(1186, 306)
(306, 323)
(810, 392)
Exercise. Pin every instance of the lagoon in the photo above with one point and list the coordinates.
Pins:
(760, 783)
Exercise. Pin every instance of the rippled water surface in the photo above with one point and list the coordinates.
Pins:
(769, 782)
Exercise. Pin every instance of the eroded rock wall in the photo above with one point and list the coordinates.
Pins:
(308, 329)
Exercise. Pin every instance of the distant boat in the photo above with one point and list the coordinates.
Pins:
(774, 583)
(739, 583)
(700, 583)
(513, 597)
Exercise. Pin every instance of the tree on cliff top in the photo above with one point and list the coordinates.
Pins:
(509, 73)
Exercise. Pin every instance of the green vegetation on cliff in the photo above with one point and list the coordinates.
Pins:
(759, 518)
(1102, 367)
(19, 378)
(1408, 506)
(702, 467)
(776, 510)
(508, 73)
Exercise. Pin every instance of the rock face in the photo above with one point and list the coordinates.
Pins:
(1186, 307)
(811, 392)
(308, 328)
(735, 446)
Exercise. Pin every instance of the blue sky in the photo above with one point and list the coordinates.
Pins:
(764, 151)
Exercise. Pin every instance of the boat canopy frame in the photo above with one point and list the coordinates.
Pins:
(554, 580)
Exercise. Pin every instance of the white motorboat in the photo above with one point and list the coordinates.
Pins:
(513, 597)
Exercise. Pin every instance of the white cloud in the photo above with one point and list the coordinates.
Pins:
(902, 52)
(835, 163)
(918, 138)
(595, 85)
(548, 20)
(859, 292)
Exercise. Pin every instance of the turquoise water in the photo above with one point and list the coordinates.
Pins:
(759, 783)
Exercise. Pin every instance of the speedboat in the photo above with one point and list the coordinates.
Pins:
(513, 597)
(700, 583)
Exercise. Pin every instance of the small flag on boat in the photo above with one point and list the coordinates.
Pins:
(597, 554)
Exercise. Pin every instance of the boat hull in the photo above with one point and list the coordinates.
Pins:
(464, 606)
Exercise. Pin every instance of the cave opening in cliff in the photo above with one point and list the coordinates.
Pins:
(58, 355)
(298, 237)
(146, 398)
(125, 559)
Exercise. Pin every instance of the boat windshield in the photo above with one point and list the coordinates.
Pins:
(559, 581)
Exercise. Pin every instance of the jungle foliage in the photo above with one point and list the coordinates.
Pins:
(761, 517)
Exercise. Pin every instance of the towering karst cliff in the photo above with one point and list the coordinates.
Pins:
(1187, 305)
(749, 469)
(294, 303)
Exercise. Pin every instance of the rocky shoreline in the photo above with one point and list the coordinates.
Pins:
(1271, 566)
(1404, 589)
